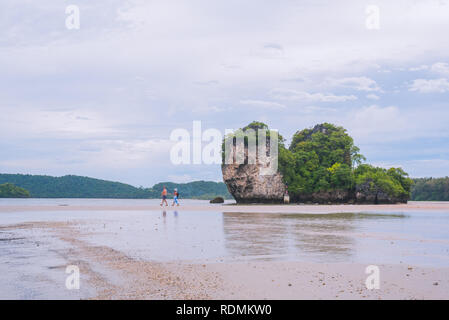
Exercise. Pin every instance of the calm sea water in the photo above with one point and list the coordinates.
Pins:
(415, 238)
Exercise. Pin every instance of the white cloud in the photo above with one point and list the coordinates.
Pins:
(357, 83)
(263, 104)
(372, 96)
(375, 123)
(294, 95)
(128, 154)
(419, 68)
(64, 123)
(441, 68)
(429, 86)
(315, 109)
(188, 56)
(437, 67)
(208, 109)
(183, 178)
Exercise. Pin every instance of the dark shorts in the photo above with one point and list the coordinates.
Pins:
(164, 197)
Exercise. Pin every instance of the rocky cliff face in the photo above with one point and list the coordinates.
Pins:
(247, 185)
(326, 197)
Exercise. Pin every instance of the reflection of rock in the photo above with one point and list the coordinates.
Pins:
(255, 235)
(217, 200)
(268, 236)
(247, 185)
(369, 193)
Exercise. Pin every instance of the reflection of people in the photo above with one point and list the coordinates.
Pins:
(164, 218)
(175, 197)
(164, 197)
(176, 214)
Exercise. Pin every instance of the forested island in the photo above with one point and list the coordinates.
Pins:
(321, 165)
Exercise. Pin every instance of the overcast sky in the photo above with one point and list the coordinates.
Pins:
(101, 101)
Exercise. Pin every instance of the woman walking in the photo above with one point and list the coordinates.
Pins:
(175, 197)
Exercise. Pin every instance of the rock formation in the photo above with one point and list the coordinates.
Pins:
(217, 200)
(326, 197)
(366, 193)
(320, 158)
(247, 185)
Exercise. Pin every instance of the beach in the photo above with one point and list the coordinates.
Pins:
(228, 207)
(138, 250)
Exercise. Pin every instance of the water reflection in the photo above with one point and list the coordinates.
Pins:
(268, 236)
(164, 220)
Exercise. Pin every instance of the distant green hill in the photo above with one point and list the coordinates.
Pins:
(72, 187)
(431, 189)
(84, 187)
(197, 189)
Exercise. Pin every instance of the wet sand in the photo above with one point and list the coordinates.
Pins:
(252, 280)
(113, 274)
(291, 208)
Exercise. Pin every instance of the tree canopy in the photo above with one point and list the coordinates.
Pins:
(9, 190)
(393, 181)
(431, 189)
(319, 159)
(324, 159)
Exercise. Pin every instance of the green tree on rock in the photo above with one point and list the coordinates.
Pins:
(325, 159)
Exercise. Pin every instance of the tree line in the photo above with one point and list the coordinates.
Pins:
(24, 186)
(431, 189)
(71, 186)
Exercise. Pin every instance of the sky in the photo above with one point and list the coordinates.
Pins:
(102, 100)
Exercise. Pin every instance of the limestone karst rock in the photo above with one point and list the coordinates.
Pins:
(365, 193)
(321, 165)
(247, 185)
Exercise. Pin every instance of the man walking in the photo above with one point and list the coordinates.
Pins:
(164, 197)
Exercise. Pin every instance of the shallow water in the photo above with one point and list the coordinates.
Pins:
(96, 202)
(415, 238)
